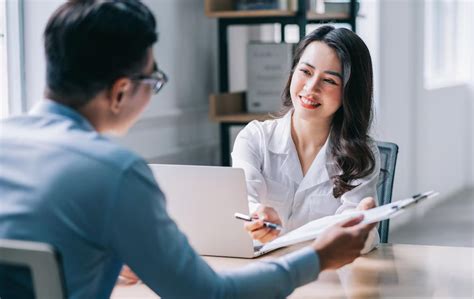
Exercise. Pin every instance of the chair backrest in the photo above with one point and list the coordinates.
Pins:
(41, 260)
(388, 160)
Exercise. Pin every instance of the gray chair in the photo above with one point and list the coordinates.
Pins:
(39, 259)
(388, 158)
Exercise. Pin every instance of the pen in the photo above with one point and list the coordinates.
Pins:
(266, 223)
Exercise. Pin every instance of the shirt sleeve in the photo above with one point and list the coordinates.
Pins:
(367, 186)
(247, 154)
(143, 236)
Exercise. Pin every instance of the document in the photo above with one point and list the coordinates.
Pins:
(314, 228)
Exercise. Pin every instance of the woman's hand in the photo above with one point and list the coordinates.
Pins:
(366, 204)
(258, 230)
(372, 240)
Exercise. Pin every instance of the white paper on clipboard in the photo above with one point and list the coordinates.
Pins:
(314, 228)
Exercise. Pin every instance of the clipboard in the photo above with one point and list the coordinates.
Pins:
(314, 228)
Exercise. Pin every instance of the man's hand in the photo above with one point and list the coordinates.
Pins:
(258, 230)
(127, 276)
(342, 243)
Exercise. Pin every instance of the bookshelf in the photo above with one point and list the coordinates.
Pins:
(228, 109)
(251, 14)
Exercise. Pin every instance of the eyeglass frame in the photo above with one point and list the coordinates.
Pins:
(157, 80)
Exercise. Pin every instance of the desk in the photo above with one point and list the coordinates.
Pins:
(393, 270)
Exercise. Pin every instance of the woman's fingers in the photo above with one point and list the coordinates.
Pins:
(254, 225)
(257, 228)
(260, 233)
(272, 234)
(351, 222)
(366, 204)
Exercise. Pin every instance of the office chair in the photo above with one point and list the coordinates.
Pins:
(39, 259)
(388, 160)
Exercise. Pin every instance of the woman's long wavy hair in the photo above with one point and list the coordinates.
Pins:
(349, 140)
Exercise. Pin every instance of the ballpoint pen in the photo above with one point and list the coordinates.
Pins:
(266, 223)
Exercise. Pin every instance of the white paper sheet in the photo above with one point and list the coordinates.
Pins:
(314, 228)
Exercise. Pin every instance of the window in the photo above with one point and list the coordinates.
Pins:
(448, 40)
(3, 66)
(12, 100)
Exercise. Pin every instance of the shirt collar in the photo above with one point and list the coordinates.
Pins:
(280, 141)
(47, 106)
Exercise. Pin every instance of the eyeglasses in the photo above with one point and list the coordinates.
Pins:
(157, 80)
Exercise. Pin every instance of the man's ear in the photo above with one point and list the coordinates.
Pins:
(117, 92)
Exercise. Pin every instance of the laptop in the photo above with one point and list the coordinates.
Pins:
(202, 201)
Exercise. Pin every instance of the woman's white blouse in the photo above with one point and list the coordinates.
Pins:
(267, 154)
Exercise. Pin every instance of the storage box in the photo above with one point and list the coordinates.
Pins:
(268, 67)
(331, 6)
(339, 6)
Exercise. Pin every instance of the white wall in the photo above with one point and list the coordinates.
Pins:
(471, 149)
(394, 120)
(36, 15)
(368, 29)
(443, 128)
(175, 126)
(432, 127)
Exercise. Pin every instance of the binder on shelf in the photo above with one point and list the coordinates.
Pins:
(265, 4)
(316, 6)
(331, 6)
(256, 4)
(268, 67)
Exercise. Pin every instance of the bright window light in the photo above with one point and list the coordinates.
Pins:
(3, 66)
(448, 40)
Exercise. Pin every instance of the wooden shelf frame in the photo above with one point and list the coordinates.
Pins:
(231, 108)
(225, 9)
(251, 13)
(317, 17)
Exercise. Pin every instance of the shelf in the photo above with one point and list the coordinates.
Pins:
(226, 9)
(242, 118)
(312, 16)
(250, 13)
(266, 14)
(231, 108)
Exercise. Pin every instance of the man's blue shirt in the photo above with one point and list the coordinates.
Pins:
(63, 183)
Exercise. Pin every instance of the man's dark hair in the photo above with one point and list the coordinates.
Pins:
(89, 44)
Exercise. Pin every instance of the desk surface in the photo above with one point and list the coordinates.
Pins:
(393, 270)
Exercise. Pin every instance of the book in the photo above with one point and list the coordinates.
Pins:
(316, 227)
(256, 4)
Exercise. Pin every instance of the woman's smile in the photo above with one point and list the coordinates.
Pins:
(308, 102)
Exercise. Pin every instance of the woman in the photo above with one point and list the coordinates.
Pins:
(317, 159)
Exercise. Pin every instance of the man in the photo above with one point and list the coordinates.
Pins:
(64, 183)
